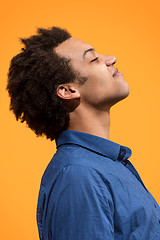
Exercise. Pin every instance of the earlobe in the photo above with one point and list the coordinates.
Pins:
(67, 92)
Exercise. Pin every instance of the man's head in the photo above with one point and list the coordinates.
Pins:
(103, 88)
(54, 70)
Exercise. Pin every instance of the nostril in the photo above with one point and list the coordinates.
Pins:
(114, 63)
(110, 62)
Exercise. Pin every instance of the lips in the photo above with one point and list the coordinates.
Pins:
(115, 72)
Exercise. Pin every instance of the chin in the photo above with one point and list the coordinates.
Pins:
(122, 87)
(123, 91)
(126, 91)
(120, 96)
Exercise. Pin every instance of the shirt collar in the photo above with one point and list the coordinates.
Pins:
(94, 143)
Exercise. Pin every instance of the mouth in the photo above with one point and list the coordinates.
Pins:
(115, 72)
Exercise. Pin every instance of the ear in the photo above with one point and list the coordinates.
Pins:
(67, 91)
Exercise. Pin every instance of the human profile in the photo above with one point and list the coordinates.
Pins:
(64, 89)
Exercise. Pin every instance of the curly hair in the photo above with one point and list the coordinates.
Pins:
(33, 77)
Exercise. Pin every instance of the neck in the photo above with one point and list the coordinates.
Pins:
(92, 121)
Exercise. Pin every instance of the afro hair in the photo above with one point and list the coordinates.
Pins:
(33, 77)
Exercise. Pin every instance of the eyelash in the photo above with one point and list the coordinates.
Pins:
(94, 59)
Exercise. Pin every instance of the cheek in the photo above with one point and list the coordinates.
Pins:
(101, 80)
(98, 89)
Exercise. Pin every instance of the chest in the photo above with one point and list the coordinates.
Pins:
(137, 214)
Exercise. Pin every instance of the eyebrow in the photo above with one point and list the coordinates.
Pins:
(88, 50)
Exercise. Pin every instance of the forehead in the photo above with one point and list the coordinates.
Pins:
(72, 48)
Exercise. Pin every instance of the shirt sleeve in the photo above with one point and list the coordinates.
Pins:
(80, 206)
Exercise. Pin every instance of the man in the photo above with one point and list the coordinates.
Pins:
(64, 90)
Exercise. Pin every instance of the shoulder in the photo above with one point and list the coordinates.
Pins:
(75, 162)
(77, 173)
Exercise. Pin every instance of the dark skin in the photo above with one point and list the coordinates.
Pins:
(91, 102)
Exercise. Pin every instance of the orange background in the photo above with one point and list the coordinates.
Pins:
(127, 30)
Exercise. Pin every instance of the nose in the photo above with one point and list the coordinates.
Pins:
(110, 60)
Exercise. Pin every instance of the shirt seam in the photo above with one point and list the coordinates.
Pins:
(91, 169)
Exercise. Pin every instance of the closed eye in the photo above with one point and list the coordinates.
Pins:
(95, 59)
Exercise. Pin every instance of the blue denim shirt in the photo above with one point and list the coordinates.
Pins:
(91, 191)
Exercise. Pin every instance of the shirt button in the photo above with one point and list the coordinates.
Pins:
(155, 205)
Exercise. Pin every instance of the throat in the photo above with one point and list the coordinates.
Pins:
(93, 122)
